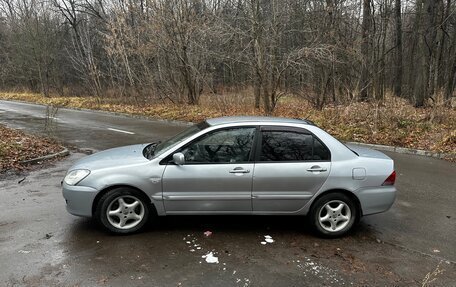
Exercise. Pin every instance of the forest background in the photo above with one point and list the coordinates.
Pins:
(377, 71)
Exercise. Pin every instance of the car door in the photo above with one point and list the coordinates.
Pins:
(216, 176)
(291, 165)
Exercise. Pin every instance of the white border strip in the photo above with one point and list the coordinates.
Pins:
(121, 131)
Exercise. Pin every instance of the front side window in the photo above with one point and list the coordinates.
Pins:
(291, 146)
(222, 146)
(173, 141)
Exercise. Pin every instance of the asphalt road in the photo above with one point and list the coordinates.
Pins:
(42, 245)
(85, 129)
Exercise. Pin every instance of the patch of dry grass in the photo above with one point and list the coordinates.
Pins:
(17, 146)
(393, 122)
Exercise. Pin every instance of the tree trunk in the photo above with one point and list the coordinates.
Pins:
(267, 100)
(365, 78)
(439, 72)
(426, 46)
(257, 89)
(433, 26)
(451, 69)
(398, 64)
(258, 52)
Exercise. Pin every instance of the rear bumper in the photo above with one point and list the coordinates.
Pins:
(376, 199)
(79, 199)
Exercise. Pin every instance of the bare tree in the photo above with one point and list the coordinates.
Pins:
(326, 51)
(82, 55)
(426, 45)
(398, 40)
(366, 38)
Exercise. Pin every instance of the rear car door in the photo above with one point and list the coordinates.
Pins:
(216, 176)
(291, 165)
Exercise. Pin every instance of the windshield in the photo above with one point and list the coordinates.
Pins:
(169, 143)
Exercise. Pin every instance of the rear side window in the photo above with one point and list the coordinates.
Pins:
(320, 152)
(291, 146)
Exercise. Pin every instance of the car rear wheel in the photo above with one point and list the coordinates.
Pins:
(123, 210)
(333, 214)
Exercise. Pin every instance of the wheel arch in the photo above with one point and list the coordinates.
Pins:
(348, 193)
(109, 188)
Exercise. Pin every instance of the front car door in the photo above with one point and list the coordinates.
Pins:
(216, 176)
(291, 165)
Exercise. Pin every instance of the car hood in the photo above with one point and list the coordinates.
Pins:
(120, 156)
(367, 152)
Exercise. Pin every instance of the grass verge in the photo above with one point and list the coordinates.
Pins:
(393, 122)
(17, 146)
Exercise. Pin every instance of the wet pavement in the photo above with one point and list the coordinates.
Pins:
(85, 129)
(42, 245)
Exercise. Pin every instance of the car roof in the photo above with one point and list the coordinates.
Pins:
(244, 119)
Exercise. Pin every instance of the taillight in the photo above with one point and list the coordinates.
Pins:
(391, 179)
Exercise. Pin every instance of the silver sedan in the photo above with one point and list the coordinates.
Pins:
(234, 165)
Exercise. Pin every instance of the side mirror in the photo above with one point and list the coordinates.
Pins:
(179, 158)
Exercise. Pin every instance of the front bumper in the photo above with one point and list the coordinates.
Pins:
(79, 199)
(376, 199)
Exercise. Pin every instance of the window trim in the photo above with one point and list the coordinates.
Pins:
(262, 129)
(168, 160)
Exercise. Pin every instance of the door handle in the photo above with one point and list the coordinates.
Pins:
(239, 170)
(316, 168)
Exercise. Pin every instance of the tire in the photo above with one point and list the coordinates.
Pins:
(333, 215)
(129, 210)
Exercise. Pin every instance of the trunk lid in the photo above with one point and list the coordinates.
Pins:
(367, 152)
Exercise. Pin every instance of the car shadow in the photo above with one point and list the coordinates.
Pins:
(230, 223)
(234, 224)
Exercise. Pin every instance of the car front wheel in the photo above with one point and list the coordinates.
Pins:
(122, 210)
(333, 214)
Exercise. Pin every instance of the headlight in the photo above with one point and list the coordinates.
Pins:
(75, 176)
